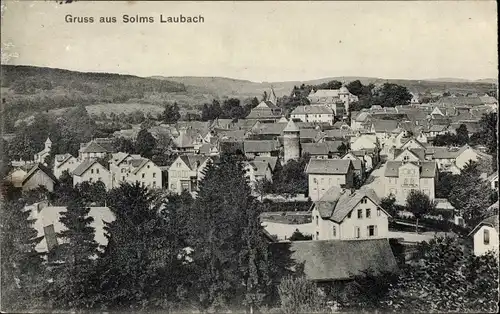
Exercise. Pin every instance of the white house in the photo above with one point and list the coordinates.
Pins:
(446, 157)
(47, 224)
(325, 173)
(400, 177)
(365, 141)
(343, 214)
(314, 114)
(257, 171)
(64, 162)
(92, 170)
(331, 97)
(485, 236)
(185, 173)
(493, 179)
(125, 167)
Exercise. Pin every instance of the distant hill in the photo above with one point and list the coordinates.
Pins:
(243, 88)
(29, 89)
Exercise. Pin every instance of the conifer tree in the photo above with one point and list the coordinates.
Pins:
(74, 278)
(140, 265)
(230, 255)
(21, 264)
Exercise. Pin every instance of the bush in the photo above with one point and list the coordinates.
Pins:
(299, 295)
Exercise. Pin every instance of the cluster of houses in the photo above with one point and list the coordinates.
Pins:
(396, 142)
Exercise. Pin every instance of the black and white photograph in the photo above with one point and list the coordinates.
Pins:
(272, 157)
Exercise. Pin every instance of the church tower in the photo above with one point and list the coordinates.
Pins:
(291, 141)
(48, 144)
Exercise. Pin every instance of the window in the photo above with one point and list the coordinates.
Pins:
(486, 236)
(122, 170)
(154, 175)
(357, 234)
(406, 158)
(317, 221)
(148, 166)
(172, 186)
(379, 212)
(368, 213)
(92, 171)
(317, 235)
(97, 171)
(123, 178)
(364, 201)
(371, 230)
(90, 180)
(334, 229)
(154, 183)
(349, 215)
(143, 175)
(360, 213)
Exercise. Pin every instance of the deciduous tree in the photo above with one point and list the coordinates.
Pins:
(419, 204)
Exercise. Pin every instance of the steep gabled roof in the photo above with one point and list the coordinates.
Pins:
(385, 125)
(192, 161)
(329, 260)
(491, 221)
(291, 127)
(183, 141)
(62, 158)
(272, 161)
(42, 168)
(256, 146)
(94, 147)
(337, 203)
(260, 167)
(328, 166)
(84, 166)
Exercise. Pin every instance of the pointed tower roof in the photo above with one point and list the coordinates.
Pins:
(272, 97)
(48, 141)
(291, 127)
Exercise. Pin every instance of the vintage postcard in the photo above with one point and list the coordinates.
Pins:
(249, 157)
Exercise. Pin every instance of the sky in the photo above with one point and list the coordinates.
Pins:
(259, 41)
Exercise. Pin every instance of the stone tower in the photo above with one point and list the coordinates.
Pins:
(291, 141)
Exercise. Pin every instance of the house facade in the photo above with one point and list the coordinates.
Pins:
(401, 177)
(343, 214)
(326, 173)
(39, 175)
(257, 171)
(92, 171)
(64, 162)
(134, 168)
(185, 173)
(314, 114)
(485, 236)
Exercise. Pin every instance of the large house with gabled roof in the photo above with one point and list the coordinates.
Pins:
(96, 148)
(401, 177)
(325, 173)
(185, 173)
(314, 114)
(344, 214)
(91, 170)
(64, 162)
(267, 110)
(39, 175)
(131, 168)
